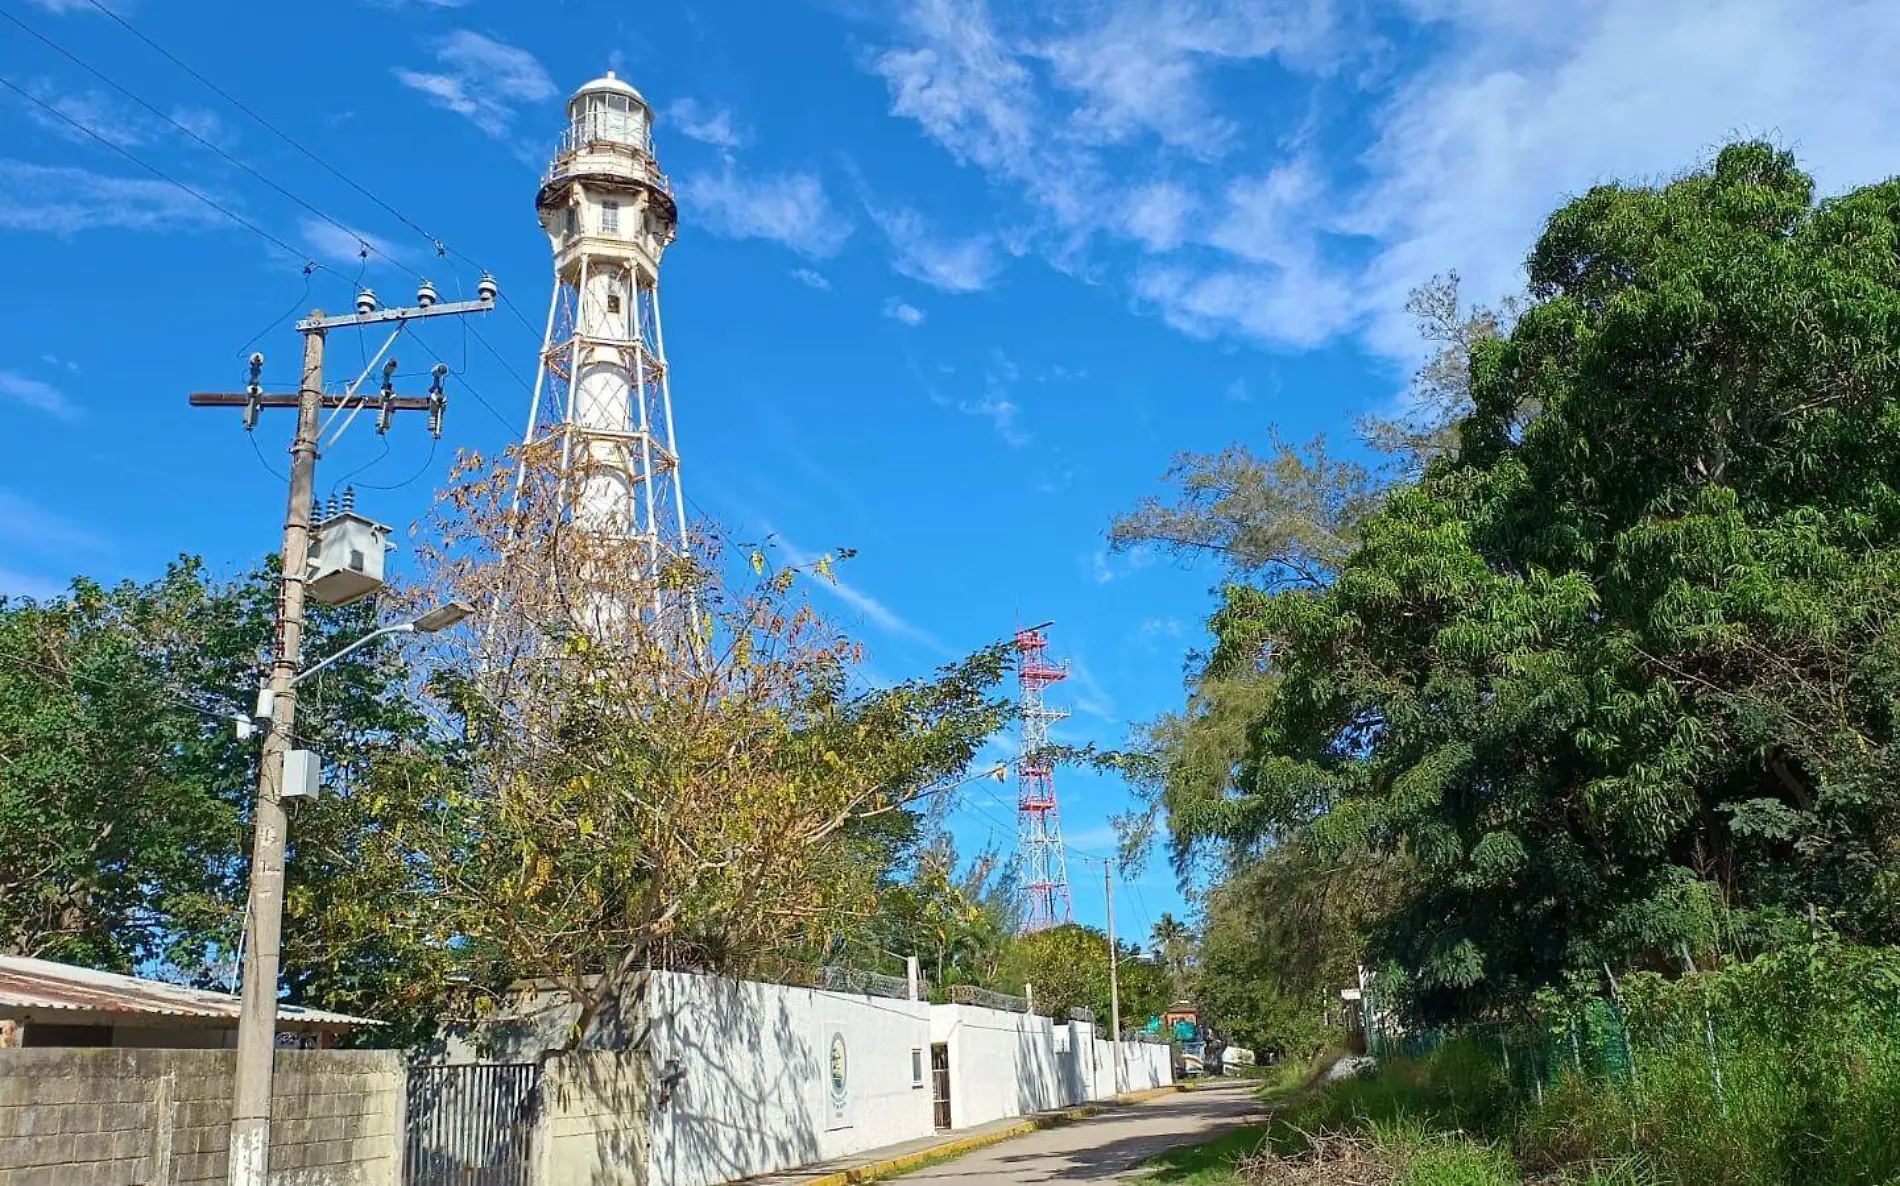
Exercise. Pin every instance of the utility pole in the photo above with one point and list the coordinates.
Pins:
(248, 1160)
(257, 1017)
(1114, 980)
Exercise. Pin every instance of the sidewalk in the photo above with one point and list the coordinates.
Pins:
(891, 1159)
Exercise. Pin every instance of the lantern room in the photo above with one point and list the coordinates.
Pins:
(608, 110)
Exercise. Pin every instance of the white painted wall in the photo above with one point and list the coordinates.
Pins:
(1011, 1064)
(755, 1097)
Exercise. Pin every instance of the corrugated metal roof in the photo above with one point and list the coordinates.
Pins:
(28, 985)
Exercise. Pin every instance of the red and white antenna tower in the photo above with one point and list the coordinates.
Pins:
(1038, 822)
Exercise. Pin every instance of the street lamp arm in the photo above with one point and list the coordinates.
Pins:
(372, 636)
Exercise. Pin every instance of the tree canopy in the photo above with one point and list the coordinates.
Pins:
(1617, 676)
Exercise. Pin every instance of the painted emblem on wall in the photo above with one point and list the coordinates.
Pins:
(837, 1077)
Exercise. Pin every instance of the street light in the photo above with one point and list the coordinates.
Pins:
(440, 618)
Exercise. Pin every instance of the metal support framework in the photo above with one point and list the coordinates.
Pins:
(1038, 819)
(622, 457)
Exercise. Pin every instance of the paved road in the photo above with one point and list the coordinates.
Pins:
(1103, 1148)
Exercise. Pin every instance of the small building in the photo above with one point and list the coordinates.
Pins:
(43, 1003)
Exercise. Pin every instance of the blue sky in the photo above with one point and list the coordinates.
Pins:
(953, 280)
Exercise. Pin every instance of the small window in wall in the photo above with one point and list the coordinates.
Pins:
(613, 302)
(610, 218)
(570, 222)
(916, 1066)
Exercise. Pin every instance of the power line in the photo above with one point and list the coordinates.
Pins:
(273, 129)
(442, 247)
(246, 223)
(228, 157)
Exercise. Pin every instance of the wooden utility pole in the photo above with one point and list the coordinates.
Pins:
(1114, 981)
(257, 1020)
(249, 1150)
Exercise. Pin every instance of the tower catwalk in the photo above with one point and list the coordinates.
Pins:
(601, 393)
(1038, 822)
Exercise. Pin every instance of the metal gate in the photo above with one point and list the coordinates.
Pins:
(470, 1125)
(940, 1084)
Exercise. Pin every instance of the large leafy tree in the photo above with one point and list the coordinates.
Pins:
(125, 791)
(1618, 675)
(1067, 966)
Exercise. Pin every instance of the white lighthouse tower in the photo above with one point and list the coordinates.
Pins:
(600, 393)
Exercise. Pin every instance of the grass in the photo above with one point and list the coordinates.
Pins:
(1215, 1163)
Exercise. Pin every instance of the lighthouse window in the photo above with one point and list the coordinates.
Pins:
(569, 222)
(613, 302)
(610, 218)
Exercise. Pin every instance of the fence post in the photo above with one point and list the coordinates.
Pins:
(1715, 1062)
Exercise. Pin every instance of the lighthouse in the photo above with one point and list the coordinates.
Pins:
(601, 392)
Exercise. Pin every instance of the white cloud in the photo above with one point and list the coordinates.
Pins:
(791, 208)
(1468, 121)
(1157, 215)
(31, 393)
(1002, 415)
(707, 124)
(1301, 307)
(811, 279)
(34, 527)
(62, 7)
(484, 80)
(1477, 147)
(953, 265)
(875, 611)
(204, 124)
(61, 200)
(903, 311)
(1142, 67)
(343, 245)
(26, 584)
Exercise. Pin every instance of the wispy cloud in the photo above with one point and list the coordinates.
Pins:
(903, 311)
(1002, 415)
(1246, 224)
(791, 208)
(484, 80)
(811, 279)
(32, 526)
(62, 200)
(707, 124)
(874, 610)
(344, 245)
(39, 396)
(1090, 697)
(26, 584)
(949, 263)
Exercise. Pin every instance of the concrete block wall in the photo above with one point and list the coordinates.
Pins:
(595, 1120)
(128, 1117)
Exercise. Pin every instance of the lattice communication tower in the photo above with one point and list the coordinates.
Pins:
(1038, 820)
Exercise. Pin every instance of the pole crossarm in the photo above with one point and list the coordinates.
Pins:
(388, 316)
(239, 399)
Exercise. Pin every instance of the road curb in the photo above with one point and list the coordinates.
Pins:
(958, 1146)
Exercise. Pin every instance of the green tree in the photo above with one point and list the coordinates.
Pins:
(1067, 966)
(1173, 945)
(1617, 676)
(125, 792)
